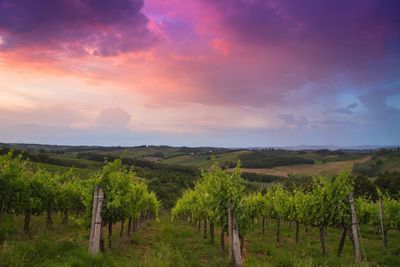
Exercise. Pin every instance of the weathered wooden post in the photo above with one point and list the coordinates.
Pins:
(384, 233)
(212, 232)
(230, 233)
(130, 226)
(235, 255)
(353, 229)
(278, 231)
(205, 229)
(342, 239)
(95, 229)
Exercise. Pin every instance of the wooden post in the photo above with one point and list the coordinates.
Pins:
(110, 230)
(198, 226)
(384, 233)
(102, 245)
(129, 226)
(222, 239)
(65, 216)
(230, 232)
(263, 225)
(96, 225)
(49, 220)
(353, 228)
(342, 239)
(237, 253)
(121, 233)
(278, 223)
(27, 221)
(1, 208)
(322, 239)
(351, 238)
(205, 229)
(212, 232)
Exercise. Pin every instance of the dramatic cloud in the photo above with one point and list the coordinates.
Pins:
(261, 52)
(231, 72)
(98, 27)
(339, 22)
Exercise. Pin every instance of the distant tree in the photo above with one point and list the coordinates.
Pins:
(389, 182)
(159, 154)
(369, 169)
(364, 187)
(294, 181)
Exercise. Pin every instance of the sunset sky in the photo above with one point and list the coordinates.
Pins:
(200, 72)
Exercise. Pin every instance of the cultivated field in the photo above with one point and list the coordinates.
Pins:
(324, 169)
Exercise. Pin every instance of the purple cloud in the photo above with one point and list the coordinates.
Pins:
(331, 36)
(309, 44)
(99, 27)
(293, 121)
(340, 21)
(346, 110)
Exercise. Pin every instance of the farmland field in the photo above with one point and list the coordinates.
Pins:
(325, 169)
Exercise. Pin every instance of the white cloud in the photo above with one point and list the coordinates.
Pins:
(114, 119)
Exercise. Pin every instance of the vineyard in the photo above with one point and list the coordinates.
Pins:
(323, 205)
(27, 191)
(234, 225)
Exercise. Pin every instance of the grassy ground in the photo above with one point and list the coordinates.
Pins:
(176, 243)
(264, 251)
(325, 169)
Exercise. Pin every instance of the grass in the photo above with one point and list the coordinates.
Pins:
(263, 249)
(176, 243)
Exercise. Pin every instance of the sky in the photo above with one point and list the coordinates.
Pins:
(230, 73)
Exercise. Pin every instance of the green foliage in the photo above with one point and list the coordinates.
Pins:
(369, 169)
(262, 178)
(364, 187)
(368, 212)
(25, 190)
(13, 172)
(124, 196)
(211, 197)
(293, 181)
(389, 183)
